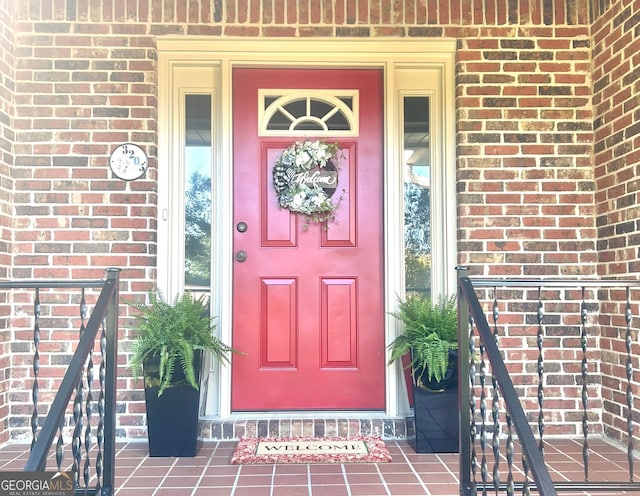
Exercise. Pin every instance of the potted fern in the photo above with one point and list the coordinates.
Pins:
(167, 352)
(428, 349)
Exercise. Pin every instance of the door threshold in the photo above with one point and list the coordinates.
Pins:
(341, 424)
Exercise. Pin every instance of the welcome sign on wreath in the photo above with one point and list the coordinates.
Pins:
(305, 178)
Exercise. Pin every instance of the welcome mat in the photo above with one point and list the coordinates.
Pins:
(311, 450)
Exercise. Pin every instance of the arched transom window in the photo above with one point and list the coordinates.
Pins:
(317, 112)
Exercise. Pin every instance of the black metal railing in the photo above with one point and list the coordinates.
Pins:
(90, 414)
(503, 415)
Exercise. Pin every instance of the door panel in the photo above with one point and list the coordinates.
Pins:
(339, 331)
(278, 331)
(342, 232)
(308, 299)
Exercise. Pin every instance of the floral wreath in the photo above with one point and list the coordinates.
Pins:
(305, 177)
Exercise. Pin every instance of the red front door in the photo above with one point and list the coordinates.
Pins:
(308, 304)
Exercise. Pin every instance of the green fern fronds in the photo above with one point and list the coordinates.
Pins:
(430, 332)
(173, 333)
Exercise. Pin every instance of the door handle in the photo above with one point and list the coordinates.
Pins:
(241, 256)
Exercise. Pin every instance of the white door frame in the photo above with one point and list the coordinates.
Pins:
(410, 67)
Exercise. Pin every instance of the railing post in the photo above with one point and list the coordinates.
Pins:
(111, 376)
(463, 388)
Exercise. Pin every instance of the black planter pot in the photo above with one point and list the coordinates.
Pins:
(173, 417)
(436, 412)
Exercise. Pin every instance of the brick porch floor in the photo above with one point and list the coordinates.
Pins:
(211, 474)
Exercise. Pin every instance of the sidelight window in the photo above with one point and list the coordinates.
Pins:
(417, 195)
(197, 194)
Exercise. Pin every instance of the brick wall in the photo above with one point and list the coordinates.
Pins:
(6, 190)
(524, 152)
(616, 102)
(526, 193)
(85, 80)
(82, 88)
